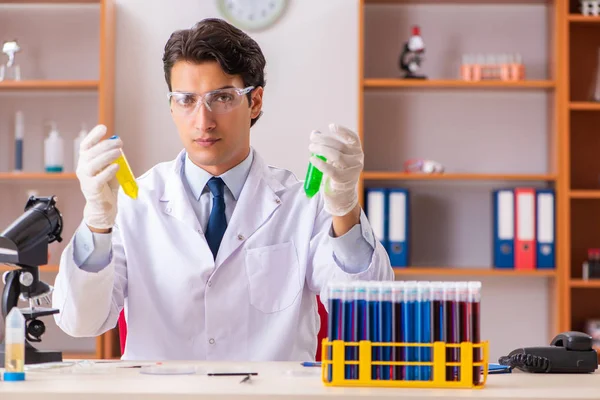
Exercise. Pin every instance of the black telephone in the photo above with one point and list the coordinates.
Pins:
(569, 352)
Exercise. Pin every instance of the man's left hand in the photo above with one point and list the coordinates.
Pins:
(345, 160)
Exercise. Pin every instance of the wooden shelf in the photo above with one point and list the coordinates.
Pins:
(456, 1)
(585, 194)
(49, 2)
(580, 283)
(376, 83)
(584, 106)
(39, 176)
(43, 268)
(488, 271)
(382, 175)
(48, 85)
(578, 18)
(79, 356)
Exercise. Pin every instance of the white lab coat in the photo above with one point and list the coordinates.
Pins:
(256, 301)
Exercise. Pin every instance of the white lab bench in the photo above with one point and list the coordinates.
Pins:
(275, 380)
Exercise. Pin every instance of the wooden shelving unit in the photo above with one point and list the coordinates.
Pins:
(448, 272)
(401, 176)
(585, 194)
(584, 106)
(79, 356)
(585, 19)
(101, 86)
(580, 283)
(374, 83)
(378, 85)
(43, 268)
(51, 1)
(48, 85)
(38, 176)
(579, 58)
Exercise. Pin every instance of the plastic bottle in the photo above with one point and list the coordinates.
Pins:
(19, 135)
(14, 361)
(125, 176)
(77, 144)
(53, 151)
(314, 177)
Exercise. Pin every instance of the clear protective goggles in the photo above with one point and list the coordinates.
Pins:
(218, 101)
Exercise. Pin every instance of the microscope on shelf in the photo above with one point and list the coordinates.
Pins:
(24, 244)
(412, 55)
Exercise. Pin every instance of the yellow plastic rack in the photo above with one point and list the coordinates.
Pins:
(438, 365)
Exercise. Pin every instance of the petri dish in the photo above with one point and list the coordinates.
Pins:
(168, 370)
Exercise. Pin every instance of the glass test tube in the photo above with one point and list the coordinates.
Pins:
(125, 175)
(399, 336)
(437, 299)
(334, 323)
(464, 324)
(362, 318)
(408, 325)
(387, 327)
(474, 301)
(349, 330)
(14, 338)
(451, 322)
(374, 326)
(424, 332)
(314, 176)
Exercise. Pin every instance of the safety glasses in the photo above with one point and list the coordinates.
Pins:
(220, 101)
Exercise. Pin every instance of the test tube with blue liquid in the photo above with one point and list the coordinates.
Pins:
(362, 318)
(373, 311)
(349, 330)
(409, 311)
(399, 336)
(334, 323)
(423, 325)
(387, 327)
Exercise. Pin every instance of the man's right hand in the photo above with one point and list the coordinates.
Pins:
(96, 173)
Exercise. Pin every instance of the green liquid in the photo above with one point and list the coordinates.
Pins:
(312, 184)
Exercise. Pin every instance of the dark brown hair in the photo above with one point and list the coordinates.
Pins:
(213, 39)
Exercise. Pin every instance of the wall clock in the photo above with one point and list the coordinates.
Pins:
(252, 15)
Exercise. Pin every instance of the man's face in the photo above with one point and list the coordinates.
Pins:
(214, 141)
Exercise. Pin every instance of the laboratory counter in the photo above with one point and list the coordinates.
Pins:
(120, 380)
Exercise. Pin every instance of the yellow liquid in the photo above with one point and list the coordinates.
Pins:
(126, 178)
(14, 360)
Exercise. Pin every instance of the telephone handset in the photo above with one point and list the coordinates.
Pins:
(569, 352)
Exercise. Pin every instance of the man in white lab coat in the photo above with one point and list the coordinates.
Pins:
(221, 256)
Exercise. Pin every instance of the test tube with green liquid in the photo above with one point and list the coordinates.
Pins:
(312, 183)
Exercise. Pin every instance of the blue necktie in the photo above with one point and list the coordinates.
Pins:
(217, 223)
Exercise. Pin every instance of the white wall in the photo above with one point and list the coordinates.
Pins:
(311, 77)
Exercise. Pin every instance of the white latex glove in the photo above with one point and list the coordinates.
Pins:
(96, 175)
(345, 159)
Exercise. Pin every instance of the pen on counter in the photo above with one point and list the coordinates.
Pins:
(311, 364)
(232, 373)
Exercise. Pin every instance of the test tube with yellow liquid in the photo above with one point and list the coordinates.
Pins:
(125, 176)
(14, 349)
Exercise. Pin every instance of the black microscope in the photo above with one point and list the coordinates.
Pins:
(24, 244)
